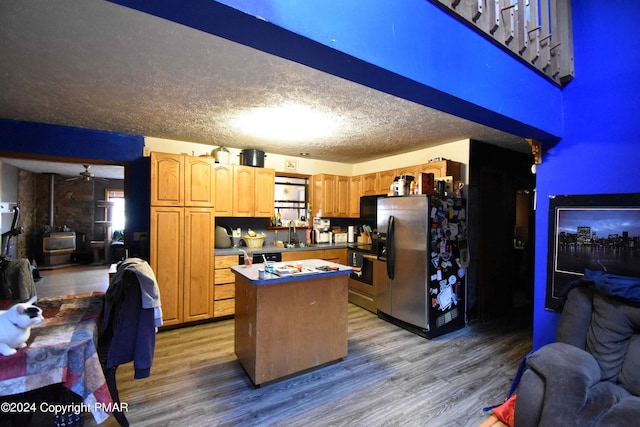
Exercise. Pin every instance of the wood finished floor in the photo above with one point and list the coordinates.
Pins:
(390, 377)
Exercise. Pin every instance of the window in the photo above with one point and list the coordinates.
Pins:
(117, 211)
(291, 198)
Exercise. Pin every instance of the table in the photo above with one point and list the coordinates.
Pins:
(289, 324)
(62, 349)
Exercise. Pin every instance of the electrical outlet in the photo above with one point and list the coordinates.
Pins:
(139, 235)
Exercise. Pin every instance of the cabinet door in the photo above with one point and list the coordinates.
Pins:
(199, 181)
(409, 170)
(443, 168)
(167, 179)
(385, 179)
(355, 185)
(370, 184)
(324, 195)
(301, 255)
(244, 190)
(166, 259)
(342, 197)
(223, 202)
(264, 192)
(198, 263)
(339, 256)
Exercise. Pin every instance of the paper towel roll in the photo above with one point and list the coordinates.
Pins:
(350, 234)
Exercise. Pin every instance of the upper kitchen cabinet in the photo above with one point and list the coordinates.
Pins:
(443, 168)
(199, 181)
(409, 170)
(244, 191)
(355, 191)
(377, 183)
(265, 183)
(342, 196)
(244, 181)
(179, 180)
(167, 179)
(224, 190)
(385, 179)
(369, 184)
(323, 193)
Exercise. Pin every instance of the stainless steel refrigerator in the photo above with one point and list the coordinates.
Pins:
(421, 238)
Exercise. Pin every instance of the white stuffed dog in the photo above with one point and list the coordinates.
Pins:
(15, 326)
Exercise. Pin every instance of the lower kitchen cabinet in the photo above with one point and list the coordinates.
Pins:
(181, 256)
(224, 291)
(338, 256)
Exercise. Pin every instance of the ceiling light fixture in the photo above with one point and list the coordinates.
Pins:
(288, 122)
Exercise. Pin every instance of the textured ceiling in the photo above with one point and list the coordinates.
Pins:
(93, 64)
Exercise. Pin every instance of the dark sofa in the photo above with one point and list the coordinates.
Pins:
(591, 375)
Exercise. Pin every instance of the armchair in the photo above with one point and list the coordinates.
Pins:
(591, 375)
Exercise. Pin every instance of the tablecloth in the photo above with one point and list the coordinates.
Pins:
(62, 349)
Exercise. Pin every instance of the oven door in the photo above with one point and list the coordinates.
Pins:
(361, 285)
(362, 264)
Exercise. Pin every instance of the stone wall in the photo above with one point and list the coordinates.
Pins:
(73, 204)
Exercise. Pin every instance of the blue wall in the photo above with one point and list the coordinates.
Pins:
(599, 152)
(41, 140)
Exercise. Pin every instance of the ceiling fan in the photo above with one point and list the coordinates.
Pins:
(85, 175)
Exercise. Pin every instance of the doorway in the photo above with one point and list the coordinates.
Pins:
(502, 191)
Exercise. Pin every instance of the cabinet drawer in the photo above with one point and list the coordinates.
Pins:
(224, 291)
(226, 261)
(224, 276)
(225, 307)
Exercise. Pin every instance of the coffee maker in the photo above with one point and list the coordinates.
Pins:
(322, 230)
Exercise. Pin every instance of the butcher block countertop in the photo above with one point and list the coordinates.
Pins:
(286, 325)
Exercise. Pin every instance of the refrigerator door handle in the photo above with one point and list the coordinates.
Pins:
(391, 252)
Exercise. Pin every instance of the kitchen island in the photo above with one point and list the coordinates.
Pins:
(290, 322)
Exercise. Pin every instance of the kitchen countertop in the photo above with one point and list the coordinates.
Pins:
(275, 249)
(309, 271)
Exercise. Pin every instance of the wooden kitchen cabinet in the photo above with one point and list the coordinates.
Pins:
(323, 193)
(179, 180)
(385, 179)
(181, 256)
(265, 182)
(355, 191)
(330, 195)
(198, 277)
(409, 170)
(300, 255)
(253, 191)
(244, 189)
(370, 184)
(443, 168)
(167, 179)
(167, 259)
(182, 235)
(199, 181)
(223, 201)
(341, 203)
(224, 292)
(338, 255)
